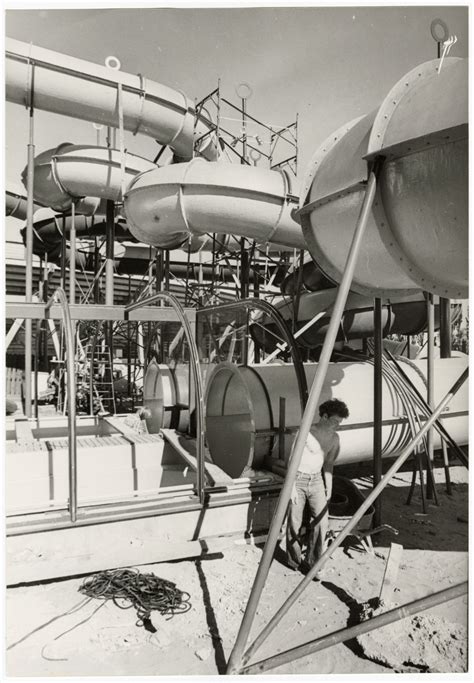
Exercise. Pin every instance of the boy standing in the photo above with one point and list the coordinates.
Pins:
(314, 484)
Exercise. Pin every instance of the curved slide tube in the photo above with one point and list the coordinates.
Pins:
(74, 87)
(400, 315)
(416, 237)
(70, 172)
(164, 206)
(16, 201)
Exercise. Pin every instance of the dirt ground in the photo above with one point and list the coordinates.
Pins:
(52, 631)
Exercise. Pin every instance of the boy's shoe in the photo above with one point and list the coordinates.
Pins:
(292, 565)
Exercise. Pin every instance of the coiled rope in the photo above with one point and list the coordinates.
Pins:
(145, 592)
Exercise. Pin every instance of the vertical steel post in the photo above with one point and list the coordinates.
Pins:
(72, 257)
(244, 292)
(109, 252)
(306, 422)
(378, 378)
(29, 244)
(129, 341)
(445, 352)
(444, 327)
(62, 277)
(244, 131)
(109, 280)
(167, 270)
(256, 293)
(430, 380)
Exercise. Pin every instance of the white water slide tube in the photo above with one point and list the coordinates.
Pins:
(74, 87)
(166, 205)
(69, 172)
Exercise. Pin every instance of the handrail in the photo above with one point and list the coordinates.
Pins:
(194, 359)
(59, 296)
(284, 330)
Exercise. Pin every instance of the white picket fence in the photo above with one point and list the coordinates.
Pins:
(14, 381)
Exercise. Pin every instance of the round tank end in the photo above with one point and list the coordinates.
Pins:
(230, 420)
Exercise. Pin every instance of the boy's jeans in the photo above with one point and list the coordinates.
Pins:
(309, 487)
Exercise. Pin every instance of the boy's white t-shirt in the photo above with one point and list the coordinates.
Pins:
(312, 460)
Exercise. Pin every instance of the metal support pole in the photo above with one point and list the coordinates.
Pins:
(445, 352)
(352, 522)
(306, 422)
(430, 381)
(167, 270)
(244, 292)
(256, 293)
(345, 634)
(62, 278)
(244, 132)
(378, 378)
(109, 252)
(444, 327)
(96, 286)
(29, 247)
(129, 342)
(72, 257)
(60, 296)
(109, 278)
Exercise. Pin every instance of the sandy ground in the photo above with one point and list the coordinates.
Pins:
(52, 632)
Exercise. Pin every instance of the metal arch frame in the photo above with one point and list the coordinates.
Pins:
(198, 387)
(273, 313)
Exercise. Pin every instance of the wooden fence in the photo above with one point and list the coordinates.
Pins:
(14, 381)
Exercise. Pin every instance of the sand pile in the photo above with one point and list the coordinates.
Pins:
(425, 643)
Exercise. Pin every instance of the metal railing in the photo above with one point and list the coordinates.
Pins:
(198, 387)
(59, 296)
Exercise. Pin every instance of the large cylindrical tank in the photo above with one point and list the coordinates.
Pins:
(243, 407)
(162, 399)
(168, 395)
(417, 231)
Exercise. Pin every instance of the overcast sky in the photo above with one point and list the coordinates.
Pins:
(328, 65)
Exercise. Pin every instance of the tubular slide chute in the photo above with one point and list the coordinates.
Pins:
(417, 233)
(164, 206)
(243, 406)
(74, 87)
(400, 315)
(16, 202)
(70, 172)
